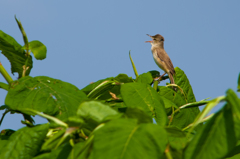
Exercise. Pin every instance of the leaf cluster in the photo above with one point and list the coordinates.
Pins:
(115, 117)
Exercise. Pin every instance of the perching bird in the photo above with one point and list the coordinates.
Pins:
(161, 57)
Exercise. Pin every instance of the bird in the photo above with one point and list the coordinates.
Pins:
(161, 57)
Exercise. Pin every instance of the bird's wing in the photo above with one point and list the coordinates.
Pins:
(161, 53)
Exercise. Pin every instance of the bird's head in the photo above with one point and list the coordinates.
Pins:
(157, 40)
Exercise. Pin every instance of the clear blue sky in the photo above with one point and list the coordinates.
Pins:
(90, 40)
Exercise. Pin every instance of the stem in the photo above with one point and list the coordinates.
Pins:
(6, 111)
(167, 152)
(155, 85)
(56, 120)
(7, 77)
(204, 120)
(171, 119)
(133, 65)
(25, 39)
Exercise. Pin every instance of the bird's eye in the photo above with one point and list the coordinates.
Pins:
(161, 39)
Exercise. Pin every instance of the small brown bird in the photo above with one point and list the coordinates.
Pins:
(161, 57)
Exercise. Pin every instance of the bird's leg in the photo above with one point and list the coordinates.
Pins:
(159, 78)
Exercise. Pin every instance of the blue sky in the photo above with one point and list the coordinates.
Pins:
(90, 40)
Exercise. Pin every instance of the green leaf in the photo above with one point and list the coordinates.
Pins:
(234, 101)
(24, 143)
(177, 138)
(138, 114)
(14, 53)
(43, 156)
(168, 104)
(145, 78)
(211, 104)
(142, 96)
(38, 49)
(215, 139)
(45, 94)
(126, 139)
(185, 116)
(177, 142)
(53, 141)
(80, 150)
(182, 81)
(61, 152)
(94, 113)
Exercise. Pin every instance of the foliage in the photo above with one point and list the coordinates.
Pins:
(116, 117)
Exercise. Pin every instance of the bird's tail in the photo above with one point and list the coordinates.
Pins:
(172, 80)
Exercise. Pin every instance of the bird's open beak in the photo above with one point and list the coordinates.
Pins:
(149, 35)
(149, 41)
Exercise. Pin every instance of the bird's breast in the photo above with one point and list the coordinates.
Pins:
(158, 60)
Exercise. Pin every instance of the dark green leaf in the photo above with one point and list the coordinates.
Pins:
(142, 96)
(45, 94)
(14, 53)
(155, 73)
(235, 153)
(6, 133)
(4, 107)
(138, 114)
(177, 138)
(93, 85)
(4, 136)
(24, 143)
(215, 139)
(177, 142)
(124, 138)
(38, 49)
(123, 78)
(102, 88)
